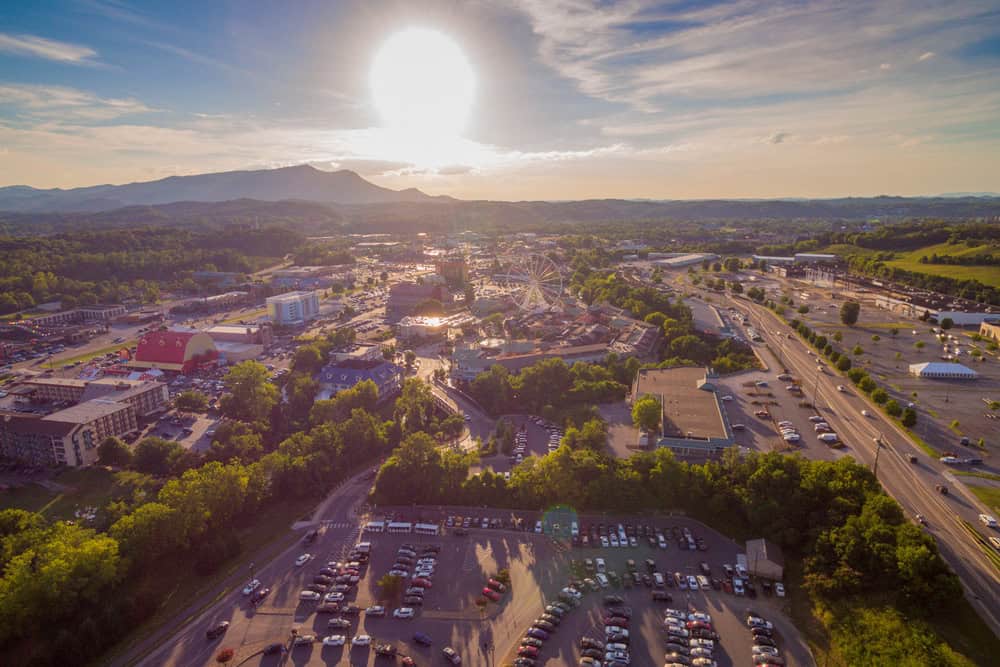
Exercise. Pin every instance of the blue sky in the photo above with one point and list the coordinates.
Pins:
(573, 98)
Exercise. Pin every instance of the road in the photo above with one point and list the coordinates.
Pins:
(181, 641)
(912, 485)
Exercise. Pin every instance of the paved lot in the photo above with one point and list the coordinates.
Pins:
(539, 567)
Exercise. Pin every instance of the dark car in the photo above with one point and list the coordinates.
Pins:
(674, 647)
(761, 632)
(385, 649)
(662, 596)
(328, 608)
(351, 610)
(259, 595)
(413, 601)
(217, 630)
(610, 600)
(764, 641)
(422, 639)
(590, 642)
(544, 625)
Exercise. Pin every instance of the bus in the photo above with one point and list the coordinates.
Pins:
(399, 527)
(426, 529)
(375, 527)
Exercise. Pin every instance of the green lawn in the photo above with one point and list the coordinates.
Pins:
(988, 494)
(87, 356)
(988, 275)
(88, 487)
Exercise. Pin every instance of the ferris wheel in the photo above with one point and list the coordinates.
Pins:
(533, 281)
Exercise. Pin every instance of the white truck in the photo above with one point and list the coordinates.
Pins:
(741, 565)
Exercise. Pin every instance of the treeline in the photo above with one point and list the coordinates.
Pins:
(176, 512)
(87, 267)
(973, 290)
(978, 259)
(854, 538)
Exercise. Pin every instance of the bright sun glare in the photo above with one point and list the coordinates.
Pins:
(423, 85)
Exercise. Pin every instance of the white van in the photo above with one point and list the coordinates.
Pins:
(988, 521)
(600, 565)
(574, 529)
(658, 580)
(828, 437)
(602, 580)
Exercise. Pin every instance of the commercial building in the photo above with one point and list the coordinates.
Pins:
(453, 269)
(990, 330)
(939, 370)
(145, 396)
(252, 334)
(681, 260)
(404, 297)
(341, 375)
(312, 277)
(468, 361)
(413, 327)
(764, 559)
(293, 308)
(180, 351)
(81, 315)
(358, 352)
(693, 420)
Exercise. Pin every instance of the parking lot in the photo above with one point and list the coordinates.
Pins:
(539, 567)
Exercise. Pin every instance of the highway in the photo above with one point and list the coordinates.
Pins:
(911, 484)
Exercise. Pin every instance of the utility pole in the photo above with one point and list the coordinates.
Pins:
(816, 390)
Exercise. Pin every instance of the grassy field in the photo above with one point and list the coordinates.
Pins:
(88, 487)
(988, 494)
(988, 275)
(87, 356)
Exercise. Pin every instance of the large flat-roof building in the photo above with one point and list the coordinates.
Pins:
(146, 396)
(293, 308)
(181, 351)
(693, 419)
(939, 370)
(404, 297)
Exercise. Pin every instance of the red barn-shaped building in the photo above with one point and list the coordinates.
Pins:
(180, 351)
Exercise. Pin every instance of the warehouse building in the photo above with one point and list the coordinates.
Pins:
(179, 351)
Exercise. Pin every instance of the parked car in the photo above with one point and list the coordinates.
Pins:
(217, 630)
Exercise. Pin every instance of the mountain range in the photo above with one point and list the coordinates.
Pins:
(306, 195)
(301, 182)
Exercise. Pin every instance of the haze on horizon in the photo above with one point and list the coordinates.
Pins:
(528, 99)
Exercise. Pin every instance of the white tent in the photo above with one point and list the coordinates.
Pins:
(942, 371)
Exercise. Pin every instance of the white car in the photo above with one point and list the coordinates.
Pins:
(841, 388)
(948, 460)
(692, 582)
(779, 589)
(333, 597)
(764, 650)
(361, 640)
(988, 521)
(538, 526)
(302, 560)
(727, 398)
(302, 640)
(251, 587)
(403, 612)
(309, 596)
(865, 413)
(616, 630)
(375, 610)
(334, 640)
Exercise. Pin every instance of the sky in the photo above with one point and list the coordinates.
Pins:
(572, 99)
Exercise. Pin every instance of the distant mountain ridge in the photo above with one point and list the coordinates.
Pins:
(302, 182)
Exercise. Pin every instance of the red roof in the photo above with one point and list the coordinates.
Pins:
(165, 347)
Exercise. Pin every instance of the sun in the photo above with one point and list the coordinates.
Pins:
(423, 85)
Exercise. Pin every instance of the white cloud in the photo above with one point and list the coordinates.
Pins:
(926, 55)
(66, 104)
(885, 66)
(48, 49)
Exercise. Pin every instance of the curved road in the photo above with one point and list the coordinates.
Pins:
(912, 485)
(252, 628)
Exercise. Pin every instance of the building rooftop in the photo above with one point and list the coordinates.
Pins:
(22, 423)
(233, 329)
(763, 549)
(688, 410)
(82, 413)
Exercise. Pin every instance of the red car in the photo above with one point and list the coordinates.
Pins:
(491, 594)
(420, 582)
(616, 620)
(691, 625)
(408, 662)
(528, 651)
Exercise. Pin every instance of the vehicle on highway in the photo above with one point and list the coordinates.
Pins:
(251, 587)
(259, 595)
(217, 630)
(949, 460)
(988, 521)
(302, 560)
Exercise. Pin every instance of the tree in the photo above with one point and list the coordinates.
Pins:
(920, 345)
(191, 401)
(308, 359)
(909, 418)
(803, 309)
(893, 408)
(736, 287)
(947, 323)
(837, 336)
(251, 396)
(857, 350)
(114, 452)
(880, 396)
(894, 331)
(844, 364)
(156, 456)
(592, 435)
(876, 338)
(429, 308)
(849, 313)
(389, 587)
(363, 395)
(646, 413)
(411, 357)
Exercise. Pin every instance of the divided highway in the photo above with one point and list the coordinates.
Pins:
(911, 484)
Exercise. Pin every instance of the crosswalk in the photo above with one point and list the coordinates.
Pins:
(338, 524)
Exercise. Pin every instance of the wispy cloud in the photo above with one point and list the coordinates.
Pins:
(926, 55)
(66, 104)
(48, 49)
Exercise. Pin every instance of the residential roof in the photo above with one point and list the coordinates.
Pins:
(22, 423)
(353, 371)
